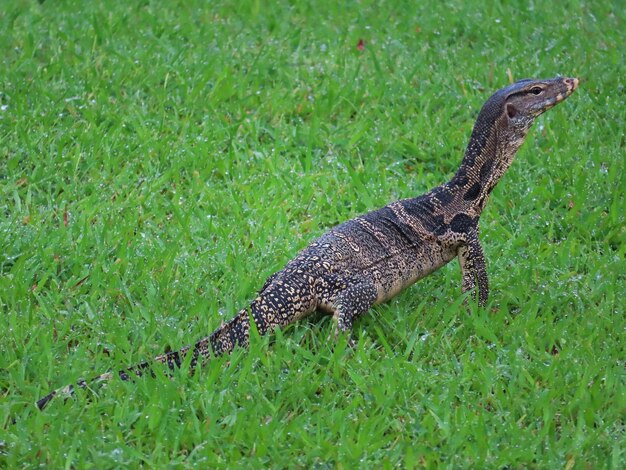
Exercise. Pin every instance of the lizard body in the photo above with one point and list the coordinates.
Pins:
(371, 258)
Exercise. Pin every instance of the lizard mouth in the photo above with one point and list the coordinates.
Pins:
(570, 85)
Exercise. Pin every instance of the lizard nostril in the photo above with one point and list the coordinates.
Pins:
(572, 83)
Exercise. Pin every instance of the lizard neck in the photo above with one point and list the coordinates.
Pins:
(490, 152)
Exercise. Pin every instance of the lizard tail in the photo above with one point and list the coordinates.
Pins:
(221, 341)
(267, 311)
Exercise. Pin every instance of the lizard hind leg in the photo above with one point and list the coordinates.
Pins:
(350, 304)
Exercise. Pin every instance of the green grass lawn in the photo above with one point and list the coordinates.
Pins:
(158, 160)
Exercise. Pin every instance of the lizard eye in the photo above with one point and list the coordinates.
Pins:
(537, 90)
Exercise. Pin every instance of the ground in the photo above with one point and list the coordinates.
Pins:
(159, 160)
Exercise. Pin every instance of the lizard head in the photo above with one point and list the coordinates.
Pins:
(527, 99)
(502, 126)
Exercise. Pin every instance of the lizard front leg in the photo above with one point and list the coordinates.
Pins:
(474, 268)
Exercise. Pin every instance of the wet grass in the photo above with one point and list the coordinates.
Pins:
(158, 160)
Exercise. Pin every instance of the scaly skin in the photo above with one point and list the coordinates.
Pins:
(370, 259)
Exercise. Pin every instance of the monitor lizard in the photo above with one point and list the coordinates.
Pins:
(371, 258)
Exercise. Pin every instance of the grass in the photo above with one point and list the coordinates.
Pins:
(158, 160)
